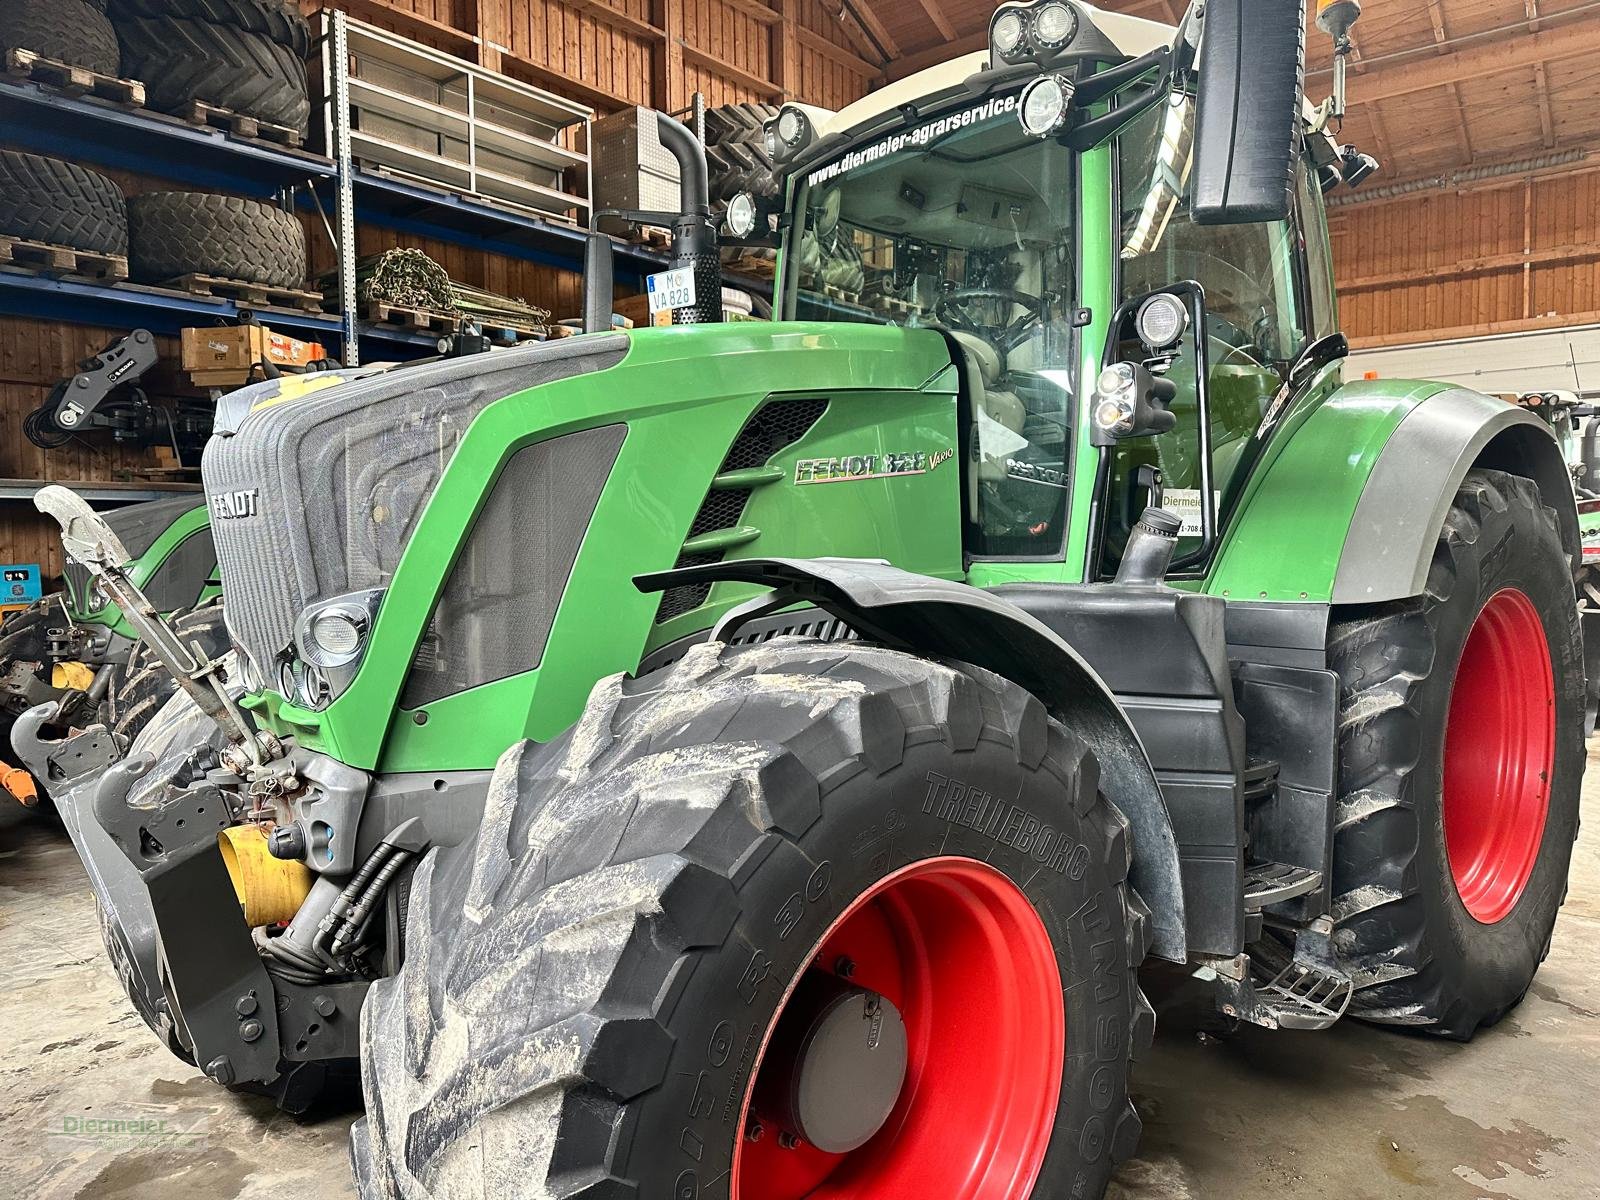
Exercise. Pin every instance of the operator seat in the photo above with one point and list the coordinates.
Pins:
(983, 372)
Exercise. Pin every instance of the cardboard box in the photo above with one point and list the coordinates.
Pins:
(239, 348)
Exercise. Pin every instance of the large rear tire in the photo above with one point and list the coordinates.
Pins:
(591, 999)
(181, 59)
(68, 31)
(1461, 755)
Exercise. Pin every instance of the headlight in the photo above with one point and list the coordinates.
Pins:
(1044, 105)
(742, 215)
(1114, 414)
(769, 138)
(1006, 35)
(1054, 26)
(304, 685)
(330, 640)
(1162, 320)
(336, 636)
(792, 126)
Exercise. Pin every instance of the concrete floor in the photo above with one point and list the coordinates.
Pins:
(1352, 1114)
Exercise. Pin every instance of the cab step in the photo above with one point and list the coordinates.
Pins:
(1268, 883)
(1260, 780)
(1277, 987)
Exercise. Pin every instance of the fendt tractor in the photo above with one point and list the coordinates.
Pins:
(77, 651)
(755, 760)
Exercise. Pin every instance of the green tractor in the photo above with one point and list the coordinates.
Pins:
(77, 651)
(755, 760)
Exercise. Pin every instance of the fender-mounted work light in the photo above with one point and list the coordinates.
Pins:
(790, 132)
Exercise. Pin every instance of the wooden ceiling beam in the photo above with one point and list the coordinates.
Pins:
(851, 62)
(1547, 120)
(853, 29)
(940, 22)
(1554, 43)
(1440, 36)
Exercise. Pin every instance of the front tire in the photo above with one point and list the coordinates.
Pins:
(1461, 755)
(591, 999)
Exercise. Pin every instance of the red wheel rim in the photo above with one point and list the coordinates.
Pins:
(959, 949)
(1499, 752)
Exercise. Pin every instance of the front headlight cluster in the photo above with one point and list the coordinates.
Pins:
(1022, 32)
(1114, 403)
(330, 640)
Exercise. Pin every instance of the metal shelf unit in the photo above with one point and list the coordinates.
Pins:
(89, 129)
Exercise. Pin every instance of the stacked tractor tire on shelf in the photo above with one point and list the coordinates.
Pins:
(245, 56)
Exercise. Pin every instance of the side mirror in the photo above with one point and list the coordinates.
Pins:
(1252, 80)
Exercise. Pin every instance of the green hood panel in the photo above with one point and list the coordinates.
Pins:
(684, 394)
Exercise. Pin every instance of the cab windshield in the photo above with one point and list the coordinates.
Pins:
(969, 225)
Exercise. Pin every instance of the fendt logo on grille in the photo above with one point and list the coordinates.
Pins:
(228, 506)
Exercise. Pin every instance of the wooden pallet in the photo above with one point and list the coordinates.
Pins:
(255, 295)
(752, 266)
(199, 112)
(73, 80)
(424, 320)
(651, 237)
(46, 259)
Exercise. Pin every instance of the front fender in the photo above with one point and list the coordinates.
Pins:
(1347, 508)
(936, 618)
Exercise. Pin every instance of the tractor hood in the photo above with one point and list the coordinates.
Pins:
(318, 495)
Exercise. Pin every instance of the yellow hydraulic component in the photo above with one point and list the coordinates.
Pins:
(20, 784)
(75, 676)
(269, 889)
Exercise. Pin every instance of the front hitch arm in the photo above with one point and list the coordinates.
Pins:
(90, 542)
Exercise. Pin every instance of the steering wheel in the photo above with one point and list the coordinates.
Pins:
(952, 309)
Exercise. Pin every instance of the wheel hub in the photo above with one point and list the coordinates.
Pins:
(837, 1064)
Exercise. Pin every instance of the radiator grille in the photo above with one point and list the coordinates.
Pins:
(326, 490)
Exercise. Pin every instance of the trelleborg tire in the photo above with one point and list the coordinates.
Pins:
(180, 59)
(1461, 754)
(47, 200)
(145, 684)
(177, 233)
(589, 1001)
(68, 31)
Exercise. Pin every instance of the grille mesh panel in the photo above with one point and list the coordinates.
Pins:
(503, 591)
(341, 476)
(774, 428)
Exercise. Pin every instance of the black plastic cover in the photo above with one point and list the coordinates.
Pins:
(1252, 78)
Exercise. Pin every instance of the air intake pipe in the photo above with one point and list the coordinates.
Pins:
(1150, 547)
(694, 238)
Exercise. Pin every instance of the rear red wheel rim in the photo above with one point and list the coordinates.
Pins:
(963, 954)
(1499, 752)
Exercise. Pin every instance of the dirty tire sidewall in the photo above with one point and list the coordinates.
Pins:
(839, 787)
(1417, 956)
(144, 684)
(48, 200)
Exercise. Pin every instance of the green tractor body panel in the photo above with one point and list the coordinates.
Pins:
(1294, 515)
(157, 569)
(684, 394)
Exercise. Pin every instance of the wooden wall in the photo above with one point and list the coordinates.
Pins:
(1517, 254)
(656, 52)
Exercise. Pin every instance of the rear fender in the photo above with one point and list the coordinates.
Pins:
(935, 618)
(1348, 507)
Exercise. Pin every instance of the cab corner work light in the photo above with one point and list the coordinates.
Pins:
(1031, 32)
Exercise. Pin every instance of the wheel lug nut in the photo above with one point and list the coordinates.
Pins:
(845, 968)
(788, 1140)
(755, 1131)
